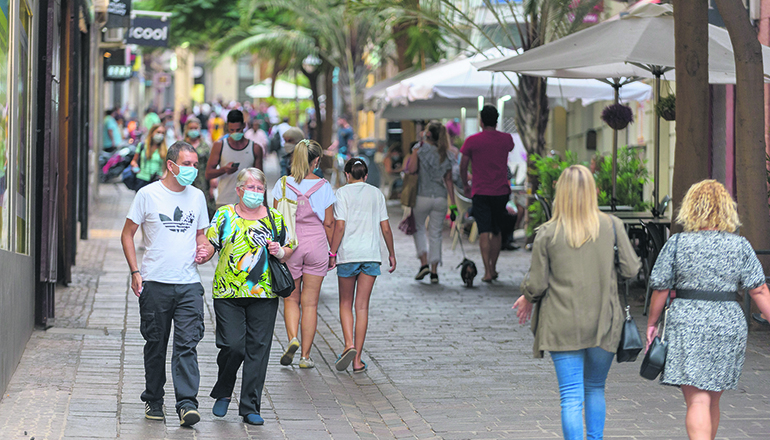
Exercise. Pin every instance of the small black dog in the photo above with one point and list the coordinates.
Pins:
(468, 271)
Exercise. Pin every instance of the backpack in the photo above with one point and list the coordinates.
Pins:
(275, 142)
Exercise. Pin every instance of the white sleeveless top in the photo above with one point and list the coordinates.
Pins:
(244, 158)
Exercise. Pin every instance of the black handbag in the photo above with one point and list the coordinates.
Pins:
(655, 358)
(281, 281)
(630, 340)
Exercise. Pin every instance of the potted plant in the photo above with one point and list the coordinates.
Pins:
(617, 116)
(666, 107)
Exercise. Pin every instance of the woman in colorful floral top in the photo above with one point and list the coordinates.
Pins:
(244, 303)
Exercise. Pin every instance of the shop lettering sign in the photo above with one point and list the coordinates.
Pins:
(148, 32)
(117, 73)
(119, 14)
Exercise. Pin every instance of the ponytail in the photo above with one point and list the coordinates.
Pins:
(305, 152)
(439, 137)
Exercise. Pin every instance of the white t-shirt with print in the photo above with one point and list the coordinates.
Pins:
(319, 200)
(362, 207)
(170, 221)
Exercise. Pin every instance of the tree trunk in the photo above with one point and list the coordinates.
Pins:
(313, 78)
(751, 182)
(692, 94)
(328, 119)
(400, 37)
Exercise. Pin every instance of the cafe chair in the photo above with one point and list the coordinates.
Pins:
(654, 244)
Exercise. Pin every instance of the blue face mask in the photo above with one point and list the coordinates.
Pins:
(186, 175)
(194, 134)
(253, 199)
(237, 136)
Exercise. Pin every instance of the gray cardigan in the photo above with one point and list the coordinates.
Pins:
(576, 290)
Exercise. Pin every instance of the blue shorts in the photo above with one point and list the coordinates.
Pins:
(347, 270)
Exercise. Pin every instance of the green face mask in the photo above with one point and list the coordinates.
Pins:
(237, 136)
(194, 134)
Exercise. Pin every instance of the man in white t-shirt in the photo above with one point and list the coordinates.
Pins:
(173, 216)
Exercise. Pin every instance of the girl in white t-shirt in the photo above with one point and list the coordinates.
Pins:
(360, 214)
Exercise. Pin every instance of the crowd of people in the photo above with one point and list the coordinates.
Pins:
(570, 291)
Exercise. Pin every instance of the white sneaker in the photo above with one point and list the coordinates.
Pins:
(288, 355)
(306, 363)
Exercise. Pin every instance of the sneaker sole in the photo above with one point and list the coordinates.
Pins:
(421, 275)
(190, 418)
(288, 356)
(149, 417)
(344, 361)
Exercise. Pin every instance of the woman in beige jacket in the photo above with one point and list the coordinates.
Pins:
(573, 280)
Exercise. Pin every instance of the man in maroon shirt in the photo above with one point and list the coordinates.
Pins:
(490, 189)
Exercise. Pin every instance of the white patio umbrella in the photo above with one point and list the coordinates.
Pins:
(639, 44)
(459, 79)
(283, 90)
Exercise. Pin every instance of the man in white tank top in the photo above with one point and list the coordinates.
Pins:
(230, 155)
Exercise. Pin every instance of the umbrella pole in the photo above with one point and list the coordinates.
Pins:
(613, 199)
(656, 175)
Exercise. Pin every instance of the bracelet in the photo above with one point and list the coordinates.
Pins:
(280, 253)
(332, 255)
(134, 271)
(453, 207)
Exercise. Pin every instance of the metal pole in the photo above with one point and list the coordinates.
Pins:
(656, 173)
(613, 200)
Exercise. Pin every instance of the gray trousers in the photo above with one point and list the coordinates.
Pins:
(434, 209)
(244, 336)
(159, 305)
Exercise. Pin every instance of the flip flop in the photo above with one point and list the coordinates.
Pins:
(345, 359)
(487, 280)
(360, 370)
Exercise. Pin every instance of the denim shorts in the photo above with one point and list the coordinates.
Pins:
(347, 270)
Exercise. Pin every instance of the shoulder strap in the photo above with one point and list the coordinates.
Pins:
(283, 187)
(295, 190)
(272, 223)
(316, 187)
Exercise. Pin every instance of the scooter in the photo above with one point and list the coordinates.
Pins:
(113, 164)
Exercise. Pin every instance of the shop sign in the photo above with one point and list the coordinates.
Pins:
(117, 73)
(119, 14)
(148, 32)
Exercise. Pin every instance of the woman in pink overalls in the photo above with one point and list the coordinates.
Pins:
(310, 260)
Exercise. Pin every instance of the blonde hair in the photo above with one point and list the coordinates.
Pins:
(250, 173)
(575, 208)
(708, 205)
(305, 152)
(190, 120)
(162, 149)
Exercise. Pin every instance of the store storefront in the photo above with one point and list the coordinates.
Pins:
(44, 47)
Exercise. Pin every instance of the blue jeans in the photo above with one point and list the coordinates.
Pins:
(581, 375)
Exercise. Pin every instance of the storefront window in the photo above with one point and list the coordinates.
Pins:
(21, 155)
(4, 120)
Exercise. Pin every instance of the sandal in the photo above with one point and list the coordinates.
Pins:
(360, 370)
(345, 359)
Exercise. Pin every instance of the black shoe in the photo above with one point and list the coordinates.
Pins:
(434, 278)
(188, 416)
(510, 246)
(424, 270)
(758, 317)
(154, 411)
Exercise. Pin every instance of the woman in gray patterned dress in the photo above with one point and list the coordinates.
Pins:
(703, 268)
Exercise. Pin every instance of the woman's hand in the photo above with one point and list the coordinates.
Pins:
(275, 249)
(332, 262)
(136, 283)
(524, 309)
(204, 253)
(652, 332)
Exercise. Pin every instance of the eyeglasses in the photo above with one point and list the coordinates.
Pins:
(254, 188)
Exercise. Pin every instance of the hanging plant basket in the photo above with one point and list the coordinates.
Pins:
(666, 107)
(617, 116)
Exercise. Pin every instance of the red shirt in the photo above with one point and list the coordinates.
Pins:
(488, 152)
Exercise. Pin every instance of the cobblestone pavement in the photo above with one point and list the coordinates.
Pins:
(445, 362)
